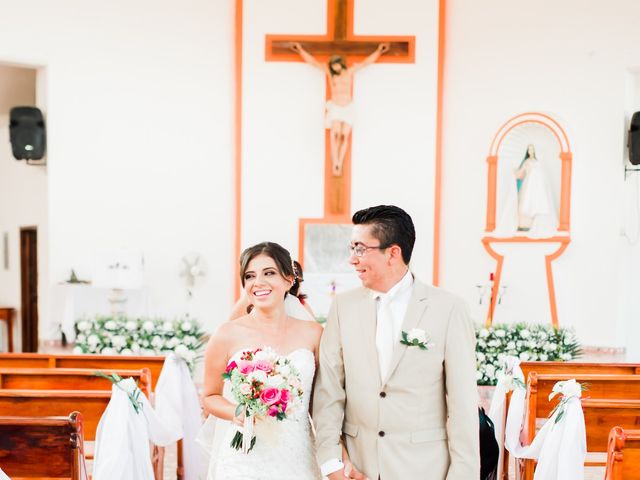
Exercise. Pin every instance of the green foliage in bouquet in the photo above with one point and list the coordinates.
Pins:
(123, 335)
(527, 342)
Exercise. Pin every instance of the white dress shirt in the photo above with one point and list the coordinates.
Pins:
(397, 302)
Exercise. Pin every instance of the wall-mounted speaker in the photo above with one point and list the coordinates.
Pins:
(27, 133)
(634, 139)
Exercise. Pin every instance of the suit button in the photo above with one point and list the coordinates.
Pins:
(381, 433)
(383, 394)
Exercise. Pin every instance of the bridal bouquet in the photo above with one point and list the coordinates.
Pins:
(265, 385)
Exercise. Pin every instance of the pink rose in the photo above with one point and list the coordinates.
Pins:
(273, 410)
(284, 395)
(263, 365)
(231, 366)
(270, 395)
(246, 367)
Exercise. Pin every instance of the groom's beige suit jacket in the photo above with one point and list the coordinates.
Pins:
(421, 421)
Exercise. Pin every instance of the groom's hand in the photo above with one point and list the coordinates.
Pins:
(349, 471)
(352, 472)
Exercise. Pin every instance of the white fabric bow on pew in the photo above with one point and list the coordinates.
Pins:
(560, 446)
(508, 377)
(123, 434)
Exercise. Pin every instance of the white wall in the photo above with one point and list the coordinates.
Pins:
(139, 102)
(393, 136)
(569, 59)
(23, 199)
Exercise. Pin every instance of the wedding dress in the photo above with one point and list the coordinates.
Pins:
(284, 450)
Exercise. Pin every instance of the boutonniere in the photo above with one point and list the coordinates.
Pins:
(416, 338)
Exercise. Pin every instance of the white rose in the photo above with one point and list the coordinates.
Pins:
(567, 388)
(524, 356)
(167, 326)
(135, 348)
(93, 340)
(131, 325)
(157, 342)
(480, 356)
(183, 352)
(478, 375)
(81, 338)
(119, 341)
(77, 350)
(417, 334)
(500, 333)
(490, 370)
(148, 326)
(275, 381)
(511, 345)
(524, 333)
(173, 342)
(283, 370)
(544, 357)
(83, 325)
(110, 325)
(258, 375)
(126, 351)
(186, 326)
(108, 351)
(565, 356)
(245, 389)
(484, 333)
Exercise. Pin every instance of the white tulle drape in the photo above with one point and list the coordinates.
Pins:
(559, 447)
(122, 448)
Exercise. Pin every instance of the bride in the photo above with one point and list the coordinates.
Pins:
(283, 449)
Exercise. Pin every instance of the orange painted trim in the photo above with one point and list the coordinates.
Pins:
(565, 192)
(327, 220)
(237, 180)
(550, 285)
(437, 203)
(492, 162)
(487, 243)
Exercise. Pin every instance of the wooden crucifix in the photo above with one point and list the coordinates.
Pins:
(339, 54)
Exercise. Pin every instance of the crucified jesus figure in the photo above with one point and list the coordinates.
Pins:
(339, 107)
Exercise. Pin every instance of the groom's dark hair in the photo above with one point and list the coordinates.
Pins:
(391, 226)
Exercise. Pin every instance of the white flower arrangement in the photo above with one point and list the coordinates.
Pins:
(527, 342)
(140, 336)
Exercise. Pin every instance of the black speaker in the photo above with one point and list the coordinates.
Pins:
(634, 139)
(27, 133)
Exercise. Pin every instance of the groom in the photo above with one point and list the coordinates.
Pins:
(405, 411)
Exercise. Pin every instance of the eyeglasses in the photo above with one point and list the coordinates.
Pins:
(360, 249)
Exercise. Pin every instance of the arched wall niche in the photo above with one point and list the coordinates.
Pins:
(549, 188)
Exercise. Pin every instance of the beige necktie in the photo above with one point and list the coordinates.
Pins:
(384, 336)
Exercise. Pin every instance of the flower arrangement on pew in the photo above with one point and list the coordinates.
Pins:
(140, 336)
(527, 342)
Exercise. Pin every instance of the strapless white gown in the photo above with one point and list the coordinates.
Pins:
(284, 450)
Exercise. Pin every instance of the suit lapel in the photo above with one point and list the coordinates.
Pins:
(416, 308)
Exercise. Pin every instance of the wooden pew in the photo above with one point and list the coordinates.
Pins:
(49, 447)
(608, 396)
(68, 379)
(105, 363)
(579, 368)
(97, 362)
(570, 369)
(623, 455)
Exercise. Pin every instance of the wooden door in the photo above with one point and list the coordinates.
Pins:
(29, 288)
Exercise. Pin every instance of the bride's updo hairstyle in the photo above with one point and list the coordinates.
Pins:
(279, 254)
